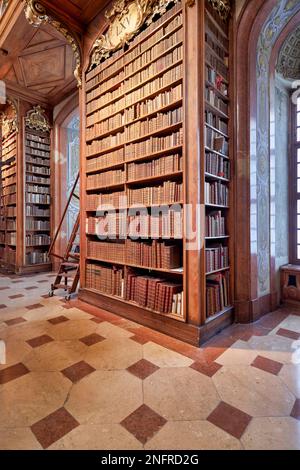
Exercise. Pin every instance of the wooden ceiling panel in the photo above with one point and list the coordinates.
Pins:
(44, 66)
(78, 13)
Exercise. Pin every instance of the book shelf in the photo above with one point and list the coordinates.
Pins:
(37, 199)
(149, 150)
(217, 165)
(8, 187)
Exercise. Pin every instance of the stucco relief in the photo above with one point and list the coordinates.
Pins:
(279, 17)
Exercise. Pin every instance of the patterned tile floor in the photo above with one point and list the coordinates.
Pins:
(80, 378)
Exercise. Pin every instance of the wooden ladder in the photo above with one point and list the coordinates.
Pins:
(68, 275)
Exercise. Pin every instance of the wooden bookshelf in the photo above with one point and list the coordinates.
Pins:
(217, 166)
(149, 106)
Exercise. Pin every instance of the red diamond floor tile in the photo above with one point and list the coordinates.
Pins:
(267, 365)
(4, 288)
(54, 427)
(2, 306)
(15, 321)
(209, 370)
(96, 320)
(296, 410)
(58, 320)
(230, 419)
(12, 373)
(31, 288)
(40, 341)
(143, 369)
(17, 296)
(78, 371)
(34, 306)
(143, 423)
(92, 339)
(288, 334)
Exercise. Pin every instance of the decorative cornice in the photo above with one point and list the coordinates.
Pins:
(36, 119)
(9, 124)
(36, 15)
(125, 21)
(223, 8)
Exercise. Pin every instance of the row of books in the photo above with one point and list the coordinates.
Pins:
(216, 141)
(154, 145)
(215, 121)
(148, 126)
(38, 139)
(216, 258)
(30, 188)
(11, 238)
(103, 115)
(37, 179)
(167, 193)
(143, 108)
(8, 150)
(37, 153)
(8, 255)
(113, 252)
(107, 178)
(155, 254)
(155, 294)
(217, 294)
(105, 99)
(9, 180)
(216, 165)
(104, 71)
(9, 190)
(38, 169)
(32, 198)
(93, 93)
(215, 80)
(108, 280)
(157, 36)
(6, 173)
(167, 224)
(217, 64)
(38, 146)
(33, 211)
(105, 160)
(216, 193)
(37, 257)
(11, 212)
(9, 200)
(138, 71)
(107, 143)
(37, 240)
(10, 225)
(37, 225)
(213, 99)
(217, 35)
(153, 86)
(220, 51)
(96, 201)
(160, 166)
(215, 224)
(38, 161)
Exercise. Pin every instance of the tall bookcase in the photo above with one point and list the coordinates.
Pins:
(8, 186)
(37, 190)
(149, 111)
(25, 225)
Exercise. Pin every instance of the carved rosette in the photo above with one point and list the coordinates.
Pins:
(9, 121)
(36, 119)
(222, 7)
(125, 21)
(36, 15)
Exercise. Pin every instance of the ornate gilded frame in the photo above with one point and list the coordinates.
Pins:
(36, 15)
(223, 8)
(9, 125)
(36, 119)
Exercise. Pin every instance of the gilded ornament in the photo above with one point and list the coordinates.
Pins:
(9, 123)
(222, 7)
(36, 119)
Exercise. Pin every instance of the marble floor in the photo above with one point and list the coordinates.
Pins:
(79, 378)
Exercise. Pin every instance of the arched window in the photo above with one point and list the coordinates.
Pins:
(295, 185)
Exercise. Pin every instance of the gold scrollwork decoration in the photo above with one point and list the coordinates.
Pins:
(125, 21)
(9, 122)
(36, 119)
(190, 3)
(36, 15)
(222, 7)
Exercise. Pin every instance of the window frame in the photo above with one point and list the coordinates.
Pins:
(294, 213)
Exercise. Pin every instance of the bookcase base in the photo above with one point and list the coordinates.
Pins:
(179, 330)
(217, 324)
(37, 268)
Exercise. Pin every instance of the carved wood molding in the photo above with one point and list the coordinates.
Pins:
(36, 119)
(223, 8)
(36, 15)
(9, 123)
(190, 3)
(125, 21)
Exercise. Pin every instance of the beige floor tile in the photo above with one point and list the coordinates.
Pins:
(18, 439)
(114, 353)
(292, 322)
(180, 394)
(76, 314)
(55, 356)
(105, 397)
(254, 391)
(111, 331)
(26, 400)
(290, 374)
(272, 434)
(273, 347)
(26, 331)
(192, 435)
(163, 357)
(16, 351)
(105, 437)
(73, 329)
(239, 354)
